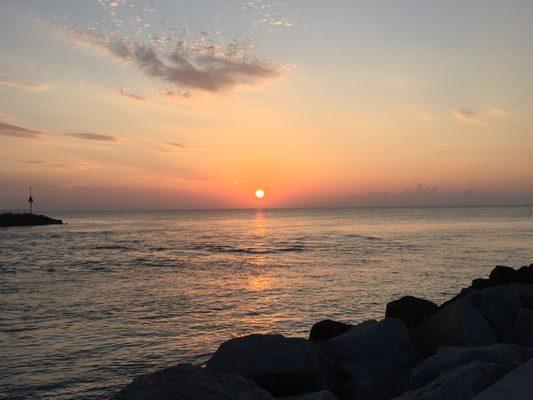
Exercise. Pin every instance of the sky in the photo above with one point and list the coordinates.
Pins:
(160, 104)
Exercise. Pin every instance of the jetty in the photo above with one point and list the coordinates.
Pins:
(26, 219)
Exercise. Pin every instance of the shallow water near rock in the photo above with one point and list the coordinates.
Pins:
(88, 305)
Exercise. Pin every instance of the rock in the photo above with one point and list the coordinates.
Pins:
(458, 324)
(464, 292)
(322, 395)
(186, 381)
(516, 385)
(499, 305)
(460, 383)
(525, 274)
(507, 356)
(523, 330)
(280, 365)
(363, 387)
(411, 310)
(369, 356)
(481, 283)
(525, 292)
(327, 329)
(26, 219)
(502, 274)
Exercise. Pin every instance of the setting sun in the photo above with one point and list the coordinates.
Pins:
(259, 193)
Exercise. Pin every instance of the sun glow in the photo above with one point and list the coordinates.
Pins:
(259, 193)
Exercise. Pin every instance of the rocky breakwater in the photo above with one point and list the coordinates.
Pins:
(419, 351)
(26, 219)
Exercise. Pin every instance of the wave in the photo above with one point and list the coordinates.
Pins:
(112, 247)
(247, 250)
(355, 235)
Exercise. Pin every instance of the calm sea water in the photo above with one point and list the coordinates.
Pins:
(88, 305)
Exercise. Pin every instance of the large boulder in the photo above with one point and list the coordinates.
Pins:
(499, 305)
(523, 330)
(280, 365)
(462, 294)
(369, 356)
(525, 291)
(327, 329)
(507, 356)
(186, 381)
(411, 310)
(460, 383)
(502, 274)
(525, 274)
(322, 395)
(457, 325)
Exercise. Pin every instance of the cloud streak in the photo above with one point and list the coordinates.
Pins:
(18, 131)
(92, 136)
(125, 93)
(198, 65)
(465, 115)
(180, 145)
(22, 84)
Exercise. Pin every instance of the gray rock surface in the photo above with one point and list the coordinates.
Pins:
(457, 325)
(321, 395)
(525, 291)
(507, 356)
(280, 365)
(499, 305)
(369, 356)
(460, 383)
(523, 330)
(186, 382)
(516, 385)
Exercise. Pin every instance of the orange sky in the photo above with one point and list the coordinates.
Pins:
(324, 106)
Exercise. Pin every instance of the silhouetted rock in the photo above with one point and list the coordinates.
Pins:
(463, 293)
(327, 329)
(186, 381)
(458, 324)
(499, 305)
(322, 395)
(369, 356)
(523, 330)
(502, 274)
(525, 292)
(525, 274)
(460, 383)
(411, 310)
(9, 219)
(481, 283)
(280, 365)
(507, 356)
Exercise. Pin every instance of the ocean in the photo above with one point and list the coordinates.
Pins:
(88, 305)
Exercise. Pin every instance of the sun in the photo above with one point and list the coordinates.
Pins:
(259, 193)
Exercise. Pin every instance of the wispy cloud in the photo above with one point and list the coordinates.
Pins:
(92, 136)
(180, 145)
(468, 116)
(18, 131)
(34, 162)
(174, 94)
(23, 84)
(499, 111)
(124, 92)
(198, 65)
